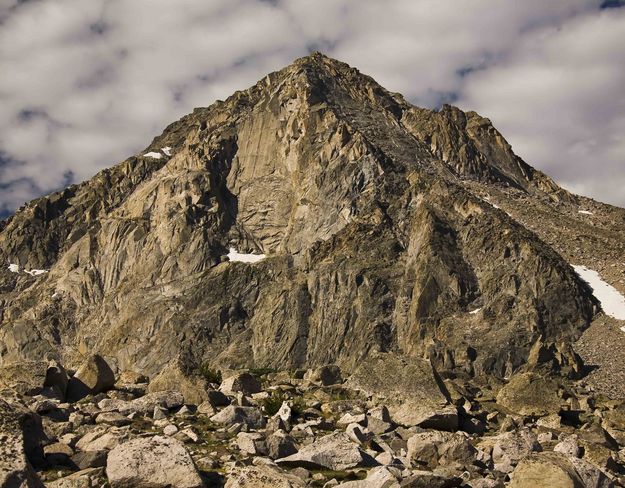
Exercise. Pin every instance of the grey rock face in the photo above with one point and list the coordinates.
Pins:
(250, 416)
(376, 241)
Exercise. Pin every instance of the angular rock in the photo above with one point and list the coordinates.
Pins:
(333, 451)
(245, 383)
(380, 477)
(56, 377)
(154, 462)
(252, 443)
(280, 444)
(93, 376)
(326, 375)
(21, 437)
(379, 420)
(428, 479)
(413, 392)
(530, 394)
(194, 387)
(90, 459)
(263, 477)
(556, 470)
(112, 418)
(250, 416)
(423, 448)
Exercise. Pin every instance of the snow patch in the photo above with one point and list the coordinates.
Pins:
(612, 301)
(35, 272)
(476, 311)
(166, 151)
(14, 268)
(585, 212)
(154, 155)
(233, 255)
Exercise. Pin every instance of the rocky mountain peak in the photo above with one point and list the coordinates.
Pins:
(361, 204)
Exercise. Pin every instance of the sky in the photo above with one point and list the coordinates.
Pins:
(85, 84)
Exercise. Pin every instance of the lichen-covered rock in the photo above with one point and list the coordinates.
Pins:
(530, 394)
(153, 462)
(245, 383)
(250, 416)
(194, 387)
(263, 477)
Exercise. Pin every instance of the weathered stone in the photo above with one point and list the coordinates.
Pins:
(21, 436)
(263, 477)
(154, 462)
(80, 479)
(530, 394)
(427, 479)
(569, 446)
(112, 418)
(194, 387)
(423, 447)
(93, 376)
(56, 377)
(252, 443)
(555, 470)
(325, 375)
(250, 416)
(378, 477)
(358, 433)
(333, 451)
(511, 447)
(379, 420)
(58, 454)
(280, 445)
(101, 438)
(144, 405)
(245, 383)
(90, 459)
(414, 393)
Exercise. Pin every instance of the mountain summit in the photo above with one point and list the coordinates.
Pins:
(313, 218)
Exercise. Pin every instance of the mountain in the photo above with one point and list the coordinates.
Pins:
(385, 228)
(307, 284)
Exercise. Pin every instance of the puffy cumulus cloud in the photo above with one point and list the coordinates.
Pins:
(85, 84)
(559, 98)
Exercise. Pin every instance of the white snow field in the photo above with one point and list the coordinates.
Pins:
(585, 212)
(154, 155)
(233, 255)
(14, 268)
(612, 301)
(166, 150)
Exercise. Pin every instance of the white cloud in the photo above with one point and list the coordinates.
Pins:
(85, 84)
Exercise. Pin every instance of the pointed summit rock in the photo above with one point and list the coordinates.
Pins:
(365, 207)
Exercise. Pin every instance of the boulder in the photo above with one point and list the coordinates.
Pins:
(326, 375)
(232, 414)
(101, 438)
(280, 445)
(379, 420)
(252, 443)
(556, 470)
(511, 447)
(194, 388)
(93, 376)
(380, 477)
(333, 451)
(80, 479)
(145, 404)
(112, 418)
(21, 437)
(423, 447)
(152, 462)
(56, 378)
(90, 459)
(530, 394)
(263, 476)
(428, 479)
(245, 383)
(409, 387)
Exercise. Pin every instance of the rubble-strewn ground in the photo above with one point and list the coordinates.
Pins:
(312, 428)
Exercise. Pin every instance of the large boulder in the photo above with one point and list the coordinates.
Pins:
(93, 376)
(21, 437)
(556, 470)
(263, 476)
(152, 462)
(250, 416)
(194, 388)
(530, 394)
(145, 404)
(245, 383)
(327, 375)
(411, 389)
(333, 451)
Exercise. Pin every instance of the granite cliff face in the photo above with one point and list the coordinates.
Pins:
(372, 217)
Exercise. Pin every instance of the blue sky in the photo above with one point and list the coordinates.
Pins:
(83, 85)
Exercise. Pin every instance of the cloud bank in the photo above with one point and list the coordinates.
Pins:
(84, 85)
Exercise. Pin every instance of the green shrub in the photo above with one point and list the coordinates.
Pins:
(211, 375)
(272, 403)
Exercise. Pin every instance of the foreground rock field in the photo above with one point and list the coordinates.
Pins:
(307, 428)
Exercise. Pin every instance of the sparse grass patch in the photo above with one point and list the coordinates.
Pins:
(211, 375)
